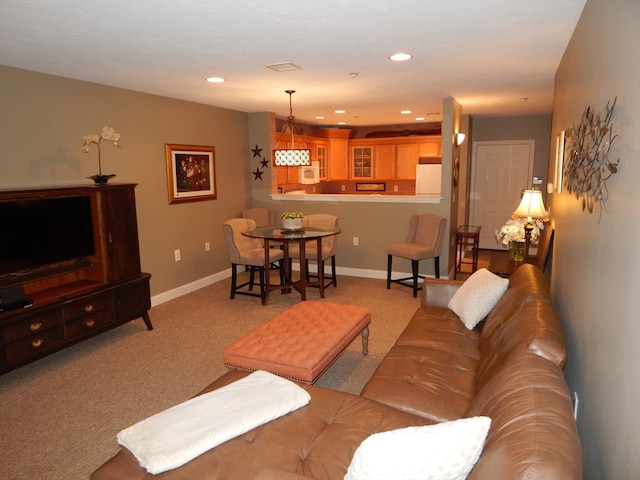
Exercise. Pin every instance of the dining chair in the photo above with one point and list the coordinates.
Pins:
(319, 220)
(262, 216)
(424, 241)
(249, 252)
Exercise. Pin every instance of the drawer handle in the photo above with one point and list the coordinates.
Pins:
(88, 308)
(35, 326)
(89, 323)
(37, 343)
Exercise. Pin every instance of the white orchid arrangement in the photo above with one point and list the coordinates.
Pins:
(513, 231)
(108, 134)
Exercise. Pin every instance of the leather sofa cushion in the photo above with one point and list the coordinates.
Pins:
(440, 328)
(316, 441)
(535, 326)
(432, 383)
(533, 435)
(525, 284)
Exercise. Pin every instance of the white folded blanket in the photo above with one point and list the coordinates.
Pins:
(175, 436)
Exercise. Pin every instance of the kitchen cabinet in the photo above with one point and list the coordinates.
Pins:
(384, 162)
(362, 162)
(337, 152)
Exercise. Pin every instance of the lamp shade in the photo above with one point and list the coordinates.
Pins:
(531, 207)
(292, 157)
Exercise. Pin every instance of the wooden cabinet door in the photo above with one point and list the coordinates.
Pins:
(384, 162)
(430, 149)
(120, 231)
(338, 159)
(362, 162)
(406, 161)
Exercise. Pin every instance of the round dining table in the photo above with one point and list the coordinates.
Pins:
(277, 236)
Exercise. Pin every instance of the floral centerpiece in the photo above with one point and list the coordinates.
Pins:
(109, 135)
(292, 220)
(511, 235)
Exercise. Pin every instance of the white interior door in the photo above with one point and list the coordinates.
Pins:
(500, 171)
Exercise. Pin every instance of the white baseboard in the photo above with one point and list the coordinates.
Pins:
(216, 277)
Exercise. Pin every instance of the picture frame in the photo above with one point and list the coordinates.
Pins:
(560, 146)
(191, 173)
(370, 187)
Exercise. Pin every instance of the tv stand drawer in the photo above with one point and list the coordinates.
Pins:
(31, 326)
(88, 324)
(86, 306)
(35, 345)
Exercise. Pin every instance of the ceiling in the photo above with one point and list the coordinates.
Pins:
(487, 54)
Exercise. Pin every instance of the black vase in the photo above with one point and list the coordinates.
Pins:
(102, 179)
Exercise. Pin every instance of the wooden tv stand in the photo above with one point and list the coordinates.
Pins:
(73, 301)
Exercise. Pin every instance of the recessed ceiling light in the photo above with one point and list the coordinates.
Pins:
(319, 117)
(419, 118)
(340, 111)
(215, 79)
(400, 57)
(342, 123)
(405, 112)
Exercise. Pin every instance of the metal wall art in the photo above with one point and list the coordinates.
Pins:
(587, 166)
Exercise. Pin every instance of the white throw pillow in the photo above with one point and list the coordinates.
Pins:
(477, 296)
(445, 451)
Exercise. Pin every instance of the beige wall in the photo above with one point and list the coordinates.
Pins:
(43, 119)
(596, 263)
(535, 127)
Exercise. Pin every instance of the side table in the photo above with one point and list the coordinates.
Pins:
(466, 236)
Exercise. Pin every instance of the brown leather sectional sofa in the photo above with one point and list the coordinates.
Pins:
(509, 369)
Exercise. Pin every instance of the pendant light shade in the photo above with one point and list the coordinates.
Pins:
(291, 154)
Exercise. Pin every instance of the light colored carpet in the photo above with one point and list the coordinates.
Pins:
(60, 415)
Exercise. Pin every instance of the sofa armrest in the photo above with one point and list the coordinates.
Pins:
(437, 292)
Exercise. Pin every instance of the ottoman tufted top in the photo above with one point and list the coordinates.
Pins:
(301, 342)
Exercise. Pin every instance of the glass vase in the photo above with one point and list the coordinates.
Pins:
(516, 251)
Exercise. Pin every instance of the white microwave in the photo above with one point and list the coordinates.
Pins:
(310, 174)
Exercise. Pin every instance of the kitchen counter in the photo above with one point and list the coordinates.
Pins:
(363, 198)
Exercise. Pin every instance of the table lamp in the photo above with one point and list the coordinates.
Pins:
(531, 209)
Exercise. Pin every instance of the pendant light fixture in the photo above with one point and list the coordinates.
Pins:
(290, 155)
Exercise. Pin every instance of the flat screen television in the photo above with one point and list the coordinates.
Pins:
(42, 231)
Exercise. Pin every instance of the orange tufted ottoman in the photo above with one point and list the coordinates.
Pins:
(301, 342)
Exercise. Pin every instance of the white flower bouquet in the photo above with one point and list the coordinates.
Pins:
(513, 231)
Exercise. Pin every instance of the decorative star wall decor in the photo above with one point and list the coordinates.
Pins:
(264, 163)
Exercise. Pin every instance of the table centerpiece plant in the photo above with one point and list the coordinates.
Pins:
(292, 220)
(511, 235)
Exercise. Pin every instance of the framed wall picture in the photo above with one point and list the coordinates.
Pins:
(559, 160)
(191, 173)
(370, 187)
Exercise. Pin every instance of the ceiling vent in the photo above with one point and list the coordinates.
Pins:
(284, 67)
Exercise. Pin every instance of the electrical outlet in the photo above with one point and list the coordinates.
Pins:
(356, 241)
(395, 188)
(207, 246)
(176, 255)
(343, 188)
